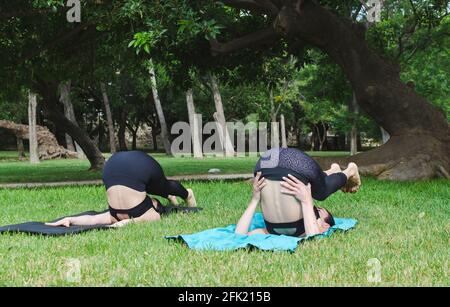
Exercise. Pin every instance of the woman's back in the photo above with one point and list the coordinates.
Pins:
(278, 207)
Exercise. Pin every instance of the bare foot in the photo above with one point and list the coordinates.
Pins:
(173, 200)
(335, 168)
(354, 179)
(191, 202)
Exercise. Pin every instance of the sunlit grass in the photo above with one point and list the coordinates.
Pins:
(403, 225)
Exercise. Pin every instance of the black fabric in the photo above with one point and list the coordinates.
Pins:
(297, 226)
(135, 212)
(38, 228)
(280, 162)
(139, 171)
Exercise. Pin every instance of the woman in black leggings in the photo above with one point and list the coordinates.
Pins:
(286, 182)
(129, 177)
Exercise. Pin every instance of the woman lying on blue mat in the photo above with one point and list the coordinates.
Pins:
(128, 178)
(286, 182)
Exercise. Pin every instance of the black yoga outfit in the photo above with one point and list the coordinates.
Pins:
(281, 162)
(139, 171)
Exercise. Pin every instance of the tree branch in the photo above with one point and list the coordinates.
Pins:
(252, 40)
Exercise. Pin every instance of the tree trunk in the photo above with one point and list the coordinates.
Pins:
(70, 114)
(354, 131)
(32, 105)
(195, 126)
(283, 132)
(64, 90)
(122, 131)
(20, 148)
(420, 133)
(275, 134)
(47, 146)
(155, 140)
(49, 105)
(109, 118)
(275, 127)
(384, 136)
(134, 142)
(225, 137)
(159, 110)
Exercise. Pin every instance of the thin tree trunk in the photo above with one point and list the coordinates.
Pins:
(134, 143)
(194, 123)
(225, 138)
(122, 131)
(70, 114)
(384, 135)
(32, 105)
(64, 90)
(275, 126)
(155, 140)
(354, 131)
(159, 110)
(112, 138)
(20, 148)
(283, 132)
(353, 141)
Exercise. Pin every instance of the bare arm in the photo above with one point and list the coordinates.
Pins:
(85, 220)
(309, 218)
(245, 221)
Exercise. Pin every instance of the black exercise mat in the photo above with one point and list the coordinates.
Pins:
(39, 228)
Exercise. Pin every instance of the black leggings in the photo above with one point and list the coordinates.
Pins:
(140, 172)
(280, 162)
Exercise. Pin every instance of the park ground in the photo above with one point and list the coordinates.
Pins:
(405, 226)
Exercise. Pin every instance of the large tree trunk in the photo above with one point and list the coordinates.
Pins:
(159, 110)
(195, 126)
(49, 105)
(47, 146)
(70, 114)
(109, 118)
(420, 134)
(32, 133)
(225, 137)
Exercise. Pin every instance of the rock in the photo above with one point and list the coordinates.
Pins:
(214, 171)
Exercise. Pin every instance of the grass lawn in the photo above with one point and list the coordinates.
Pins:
(14, 171)
(403, 225)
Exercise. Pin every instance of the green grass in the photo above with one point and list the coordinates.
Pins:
(14, 171)
(404, 225)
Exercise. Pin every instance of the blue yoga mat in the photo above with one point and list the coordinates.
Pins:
(224, 239)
